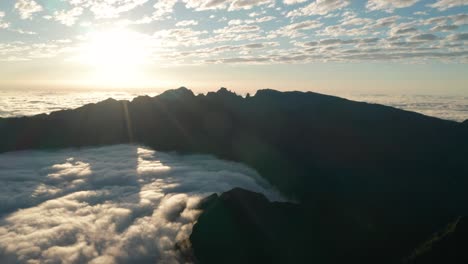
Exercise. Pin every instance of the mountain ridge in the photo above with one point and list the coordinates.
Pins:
(374, 171)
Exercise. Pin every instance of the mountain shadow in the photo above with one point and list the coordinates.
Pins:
(240, 226)
(389, 176)
(448, 245)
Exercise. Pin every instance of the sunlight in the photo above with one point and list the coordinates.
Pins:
(148, 163)
(115, 57)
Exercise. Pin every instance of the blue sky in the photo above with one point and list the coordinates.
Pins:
(398, 45)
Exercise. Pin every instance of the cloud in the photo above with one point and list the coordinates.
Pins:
(163, 7)
(233, 23)
(201, 5)
(460, 19)
(432, 105)
(389, 5)
(444, 28)
(27, 8)
(403, 29)
(68, 17)
(237, 29)
(292, 2)
(184, 23)
(294, 29)
(180, 36)
(108, 8)
(117, 204)
(447, 4)
(250, 21)
(319, 7)
(248, 4)
(386, 21)
(458, 37)
(423, 37)
(2, 23)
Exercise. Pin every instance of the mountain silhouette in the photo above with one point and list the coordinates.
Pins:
(241, 226)
(375, 174)
(447, 245)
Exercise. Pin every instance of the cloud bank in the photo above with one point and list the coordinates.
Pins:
(117, 204)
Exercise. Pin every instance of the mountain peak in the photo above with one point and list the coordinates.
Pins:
(225, 91)
(177, 93)
(266, 92)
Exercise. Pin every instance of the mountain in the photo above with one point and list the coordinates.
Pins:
(448, 245)
(240, 226)
(375, 172)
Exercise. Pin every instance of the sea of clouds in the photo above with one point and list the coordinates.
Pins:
(114, 204)
(29, 102)
(447, 107)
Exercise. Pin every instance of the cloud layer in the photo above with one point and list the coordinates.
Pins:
(14, 103)
(183, 32)
(118, 204)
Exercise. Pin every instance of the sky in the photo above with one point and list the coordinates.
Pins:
(385, 46)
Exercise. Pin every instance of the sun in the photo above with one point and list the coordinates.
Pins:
(114, 57)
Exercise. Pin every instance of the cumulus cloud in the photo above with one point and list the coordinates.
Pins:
(319, 7)
(108, 8)
(224, 4)
(217, 27)
(292, 2)
(389, 5)
(2, 23)
(27, 8)
(250, 21)
(163, 7)
(294, 29)
(248, 4)
(184, 23)
(68, 17)
(458, 37)
(117, 204)
(403, 29)
(447, 4)
(444, 28)
(423, 37)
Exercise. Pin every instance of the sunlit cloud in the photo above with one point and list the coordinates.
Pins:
(447, 4)
(118, 204)
(319, 7)
(185, 23)
(109, 8)
(3, 24)
(69, 17)
(389, 5)
(26, 8)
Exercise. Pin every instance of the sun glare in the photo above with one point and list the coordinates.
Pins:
(115, 57)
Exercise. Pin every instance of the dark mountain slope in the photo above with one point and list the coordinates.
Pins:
(448, 245)
(289, 137)
(240, 226)
(380, 170)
